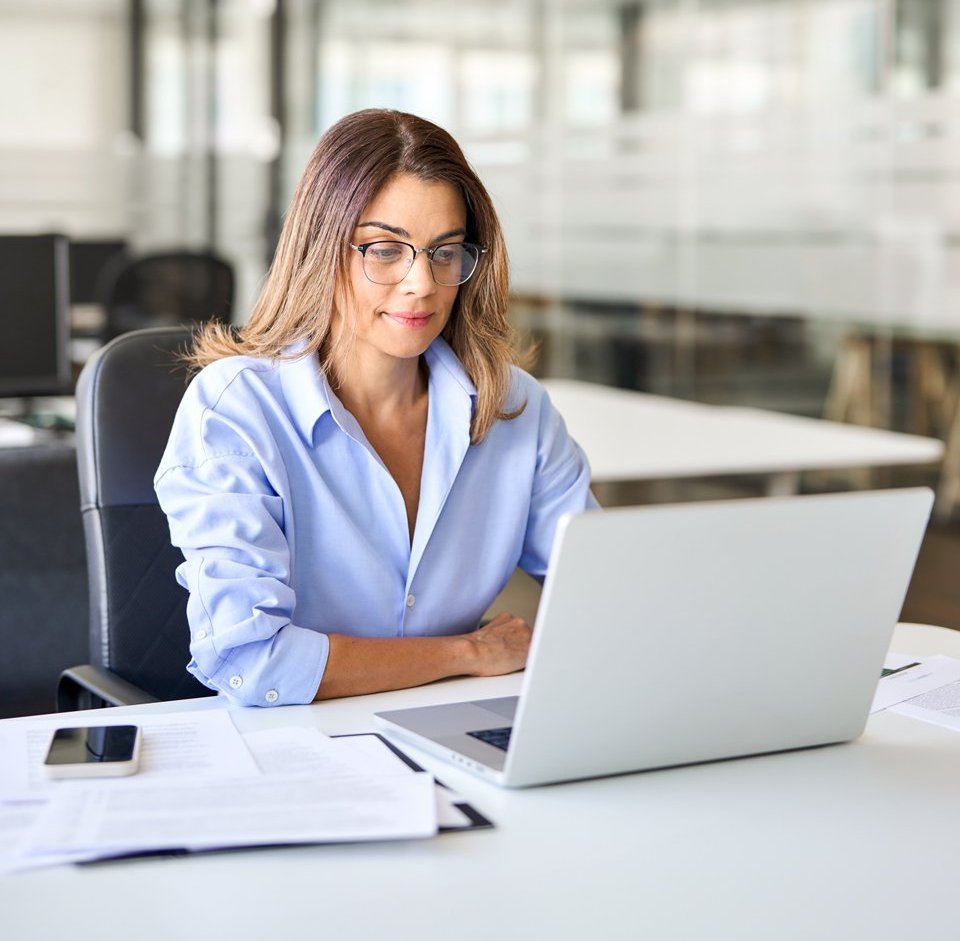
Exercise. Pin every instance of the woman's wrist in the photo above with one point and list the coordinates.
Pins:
(466, 655)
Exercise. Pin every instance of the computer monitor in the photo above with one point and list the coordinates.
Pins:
(89, 259)
(34, 313)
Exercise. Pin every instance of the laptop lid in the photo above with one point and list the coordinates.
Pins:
(669, 635)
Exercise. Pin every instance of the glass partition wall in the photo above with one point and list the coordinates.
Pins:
(745, 201)
(740, 201)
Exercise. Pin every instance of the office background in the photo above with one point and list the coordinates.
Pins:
(732, 201)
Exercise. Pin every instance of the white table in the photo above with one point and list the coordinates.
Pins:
(14, 434)
(635, 436)
(854, 841)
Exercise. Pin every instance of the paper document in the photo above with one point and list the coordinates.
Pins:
(182, 746)
(905, 677)
(16, 819)
(186, 744)
(453, 812)
(269, 810)
(941, 706)
(203, 786)
(303, 749)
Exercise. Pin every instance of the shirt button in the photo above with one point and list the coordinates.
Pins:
(411, 601)
(271, 695)
(200, 635)
(236, 681)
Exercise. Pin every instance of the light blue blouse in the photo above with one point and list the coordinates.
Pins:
(291, 526)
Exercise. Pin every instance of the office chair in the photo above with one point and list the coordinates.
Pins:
(127, 396)
(166, 289)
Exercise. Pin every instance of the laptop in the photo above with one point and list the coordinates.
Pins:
(671, 635)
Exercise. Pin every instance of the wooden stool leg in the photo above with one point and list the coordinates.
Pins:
(948, 489)
(849, 397)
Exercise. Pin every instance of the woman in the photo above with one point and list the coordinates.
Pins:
(354, 475)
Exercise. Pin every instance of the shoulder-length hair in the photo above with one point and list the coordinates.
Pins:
(349, 166)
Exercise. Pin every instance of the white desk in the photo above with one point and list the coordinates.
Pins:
(635, 436)
(14, 434)
(847, 842)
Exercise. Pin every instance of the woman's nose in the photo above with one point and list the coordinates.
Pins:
(419, 279)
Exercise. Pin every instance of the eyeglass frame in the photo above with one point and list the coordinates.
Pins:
(363, 246)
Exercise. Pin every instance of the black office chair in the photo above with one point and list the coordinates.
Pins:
(127, 396)
(166, 289)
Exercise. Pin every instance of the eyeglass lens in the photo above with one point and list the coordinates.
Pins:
(389, 262)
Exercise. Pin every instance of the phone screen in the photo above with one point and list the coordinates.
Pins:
(93, 745)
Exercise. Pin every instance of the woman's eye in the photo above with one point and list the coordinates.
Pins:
(445, 256)
(384, 255)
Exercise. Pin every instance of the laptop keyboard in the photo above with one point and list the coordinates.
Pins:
(499, 738)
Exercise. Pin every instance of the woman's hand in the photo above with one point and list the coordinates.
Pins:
(501, 645)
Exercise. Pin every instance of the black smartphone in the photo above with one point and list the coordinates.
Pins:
(93, 751)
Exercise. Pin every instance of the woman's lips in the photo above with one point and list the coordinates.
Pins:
(410, 318)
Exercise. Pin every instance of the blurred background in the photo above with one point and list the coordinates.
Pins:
(737, 202)
(721, 199)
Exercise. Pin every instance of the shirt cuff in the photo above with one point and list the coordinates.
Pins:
(295, 660)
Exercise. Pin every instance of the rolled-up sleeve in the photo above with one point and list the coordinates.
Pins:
(227, 518)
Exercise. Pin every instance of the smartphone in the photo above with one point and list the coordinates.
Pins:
(94, 751)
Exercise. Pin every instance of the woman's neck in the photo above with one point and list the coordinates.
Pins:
(372, 391)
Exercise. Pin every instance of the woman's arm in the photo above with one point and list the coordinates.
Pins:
(359, 665)
(561, 483)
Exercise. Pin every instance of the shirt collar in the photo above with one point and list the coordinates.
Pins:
(446, 369)
(305, 389)
(309, 396)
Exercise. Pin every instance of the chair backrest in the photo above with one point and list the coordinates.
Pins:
(127, 396)
(166, 289)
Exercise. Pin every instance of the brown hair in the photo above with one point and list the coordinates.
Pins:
(350, 165)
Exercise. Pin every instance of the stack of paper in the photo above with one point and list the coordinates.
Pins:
(203, 786)
(925, 688)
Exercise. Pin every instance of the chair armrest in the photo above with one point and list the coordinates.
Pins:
(88, 686)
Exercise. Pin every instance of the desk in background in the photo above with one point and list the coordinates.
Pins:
(636, 436)
(16, 434)
(44, 605)
(854, 841)
(39, 421)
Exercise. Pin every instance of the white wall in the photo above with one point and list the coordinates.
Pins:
(62, 163)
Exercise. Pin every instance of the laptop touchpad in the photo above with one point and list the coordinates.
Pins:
(505, 706)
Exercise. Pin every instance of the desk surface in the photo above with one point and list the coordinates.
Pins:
(854, 841)
(635, 436)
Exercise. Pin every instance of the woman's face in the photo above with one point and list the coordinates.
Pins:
(399, 321)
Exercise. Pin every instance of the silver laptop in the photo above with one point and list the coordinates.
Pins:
(670, 635)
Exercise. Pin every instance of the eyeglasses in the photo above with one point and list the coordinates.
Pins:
(389, 262)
